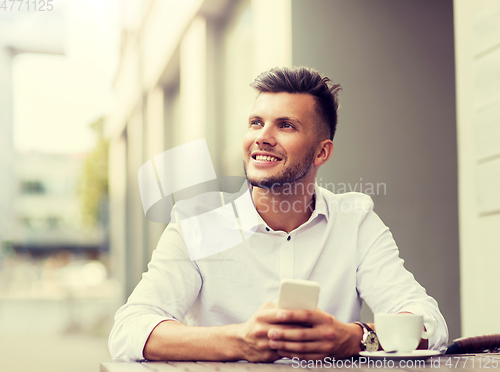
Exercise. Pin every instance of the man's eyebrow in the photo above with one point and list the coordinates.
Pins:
(252, 117)
(290, 118)
(281, 118)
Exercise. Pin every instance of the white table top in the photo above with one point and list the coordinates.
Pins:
(462, 362)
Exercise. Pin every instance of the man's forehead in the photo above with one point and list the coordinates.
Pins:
(284, 104)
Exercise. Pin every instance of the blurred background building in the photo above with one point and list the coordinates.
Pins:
(47, 213)
(19, 34)
(420, 114)
(56, 297)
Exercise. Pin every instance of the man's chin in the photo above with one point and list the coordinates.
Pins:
(265, 183)
(257, 182)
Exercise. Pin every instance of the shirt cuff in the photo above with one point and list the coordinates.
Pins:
(128, 346)
(439, 338)
(147, 326)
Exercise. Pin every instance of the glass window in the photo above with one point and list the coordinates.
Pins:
(32, 187)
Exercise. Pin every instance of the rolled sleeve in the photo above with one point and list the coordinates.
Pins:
(439, 338)
(128, 337)
(384, 283)
(166, 292)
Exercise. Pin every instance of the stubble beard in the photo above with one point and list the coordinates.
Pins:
(288, 176)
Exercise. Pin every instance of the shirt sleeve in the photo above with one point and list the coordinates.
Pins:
(166, 292)
(384, 283)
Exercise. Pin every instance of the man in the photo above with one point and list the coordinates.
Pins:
(301, 231)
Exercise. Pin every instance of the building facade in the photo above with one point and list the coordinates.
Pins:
(19, 34)
(47, 208)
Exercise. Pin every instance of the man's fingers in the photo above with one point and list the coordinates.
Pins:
(313, 347)
(300, 316)
(269, 305)
(293, 333)
(269, 313)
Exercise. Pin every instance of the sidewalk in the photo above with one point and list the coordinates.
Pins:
(49, 323)
(52, 353)
(45, 336)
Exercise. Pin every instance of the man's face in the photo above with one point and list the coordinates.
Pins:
(281, 140)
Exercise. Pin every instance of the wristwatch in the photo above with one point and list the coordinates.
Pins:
(369, 341)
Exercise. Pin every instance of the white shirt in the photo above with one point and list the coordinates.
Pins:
(344, 246)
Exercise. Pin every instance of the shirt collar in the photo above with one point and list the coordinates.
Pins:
(250, 219)
(320, 206)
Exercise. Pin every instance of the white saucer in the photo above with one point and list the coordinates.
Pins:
(414, 355)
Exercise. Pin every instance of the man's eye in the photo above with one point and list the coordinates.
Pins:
(287, 125)
(252, 123)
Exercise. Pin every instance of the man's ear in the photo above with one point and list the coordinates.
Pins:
(323, 153)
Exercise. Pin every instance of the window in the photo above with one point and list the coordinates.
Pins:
(32, 187)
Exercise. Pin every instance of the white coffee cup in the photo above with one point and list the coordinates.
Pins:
(402, 332)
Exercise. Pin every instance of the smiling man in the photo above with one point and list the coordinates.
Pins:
(286, 142)
(301, 231)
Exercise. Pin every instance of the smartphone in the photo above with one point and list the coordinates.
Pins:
(295, 294)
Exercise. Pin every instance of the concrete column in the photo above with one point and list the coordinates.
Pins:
(193, 81)
(154, 145)
(135, 234)
(272, 34)
(118, 207)
(477, 53)
(6, 155)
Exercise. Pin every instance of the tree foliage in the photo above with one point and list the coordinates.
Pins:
(93, 190)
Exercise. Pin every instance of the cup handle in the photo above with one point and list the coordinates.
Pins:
(430, 327)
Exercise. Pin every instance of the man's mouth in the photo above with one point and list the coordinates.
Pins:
(265, 158)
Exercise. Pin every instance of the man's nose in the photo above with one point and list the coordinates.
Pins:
(266, 136)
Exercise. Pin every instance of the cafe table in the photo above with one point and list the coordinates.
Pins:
(456, 362)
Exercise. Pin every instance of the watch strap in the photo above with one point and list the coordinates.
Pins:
(367, 331)
(366, 326)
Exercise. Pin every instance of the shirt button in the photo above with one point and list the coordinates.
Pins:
(289, 237)
(267, 228)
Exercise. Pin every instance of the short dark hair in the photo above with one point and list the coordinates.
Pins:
(303, 80)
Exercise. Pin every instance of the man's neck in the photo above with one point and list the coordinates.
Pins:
(285, 209)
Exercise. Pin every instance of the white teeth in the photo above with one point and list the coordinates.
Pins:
(266, 158)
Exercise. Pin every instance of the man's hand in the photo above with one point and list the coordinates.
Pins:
(326, 337)
(254, 332)
(270, 334)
